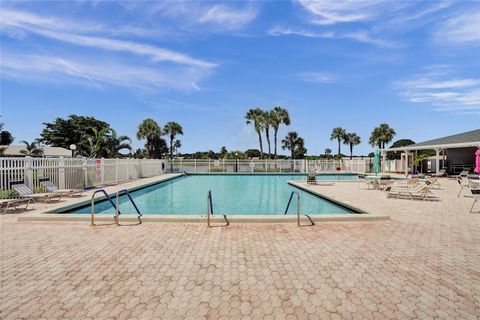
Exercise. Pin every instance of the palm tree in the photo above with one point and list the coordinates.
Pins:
(97, 142)
(267, 123)
(31, 149)
(151, 131)
(338, 134)
(292, 142)
(172, 129)
(382, 135)
(352, 139)
(255, 116)
(177, 144)
(116, 144)
(278, 116)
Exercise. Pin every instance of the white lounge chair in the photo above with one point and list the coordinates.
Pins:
(476, 196)
(441, 173)
(6, 204)
(312, 177)
(421, 192)
(26, 193)
(50, 187)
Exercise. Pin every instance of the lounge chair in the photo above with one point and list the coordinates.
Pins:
(476, 196)
(50, 187)
(433, 182)
(441, 173)
(462, 184)
(312, 177)
(27, 193)
(421, 192)
(6, 204)
(362, 180)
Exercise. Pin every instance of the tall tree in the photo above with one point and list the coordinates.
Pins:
(6, 137)
(115, 144)
(172, 129)
(64, 132)
(351, 139)
(97, 143)
(328, 152)
(267, 123)
(254, 116)
(338, 134)
(382, 135)
(278, 117)
(150, 131)
(31, 149)
(294, 143)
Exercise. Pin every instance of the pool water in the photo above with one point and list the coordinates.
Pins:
(232, 194)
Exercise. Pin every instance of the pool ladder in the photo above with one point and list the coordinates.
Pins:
(298, 208)
(115, 205)
(210, 211)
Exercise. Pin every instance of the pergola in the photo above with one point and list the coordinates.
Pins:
(462, 140)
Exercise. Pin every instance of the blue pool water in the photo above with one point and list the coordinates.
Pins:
(232, 194)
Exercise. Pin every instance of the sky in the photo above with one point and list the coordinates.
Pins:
(353, 64)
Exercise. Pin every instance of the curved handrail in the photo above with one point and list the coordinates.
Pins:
(117, 210)
(209, 207)
(298, 205)
(92, 202)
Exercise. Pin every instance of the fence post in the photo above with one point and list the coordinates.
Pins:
(294, 165)
(266, 165)
(61, 173)
(28, 172)
(208, 164)
(102, 167)
(85, 173)
(195, 165)
(116, 169)
(306, 165)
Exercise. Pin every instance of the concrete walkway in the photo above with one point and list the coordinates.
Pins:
(423, 263)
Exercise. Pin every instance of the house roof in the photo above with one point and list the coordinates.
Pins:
(13, 150)
(461, 140)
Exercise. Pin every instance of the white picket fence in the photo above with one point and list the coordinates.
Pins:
(73, 173)
(266, 165)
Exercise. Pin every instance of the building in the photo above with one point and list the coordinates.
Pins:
(14, 151)
(454, 153)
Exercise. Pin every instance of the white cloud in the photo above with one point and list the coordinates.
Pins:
(228, 17)
(461, 29)
(327, 12)
(316, 77)
(162, 69)
(216, 17)
(438, 89)
(97, 72)
(359, 36)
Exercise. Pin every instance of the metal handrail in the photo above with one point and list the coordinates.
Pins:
(209, 207)
(92, 202)
(298, 205)
(117, 209)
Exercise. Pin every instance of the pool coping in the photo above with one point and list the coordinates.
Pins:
(361, 215)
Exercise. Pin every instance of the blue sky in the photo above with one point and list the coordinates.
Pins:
(414, 65)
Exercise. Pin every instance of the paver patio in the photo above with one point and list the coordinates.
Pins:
(423, 263)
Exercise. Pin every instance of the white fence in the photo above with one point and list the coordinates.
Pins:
(72, 173)
(266, 165)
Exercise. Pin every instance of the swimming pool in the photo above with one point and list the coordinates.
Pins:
(244, 194)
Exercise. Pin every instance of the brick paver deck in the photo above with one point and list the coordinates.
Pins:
(423, 263)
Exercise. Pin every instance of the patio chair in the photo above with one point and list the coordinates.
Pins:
(50, 187)
(6, 204)
(433, 182)
(476, 196)
(421, 192)
(362, 180)
(441, 173)
(312, 177)
(410, 183)
(27, 193)
(462, 185)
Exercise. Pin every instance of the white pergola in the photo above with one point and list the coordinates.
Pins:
(437, 147)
